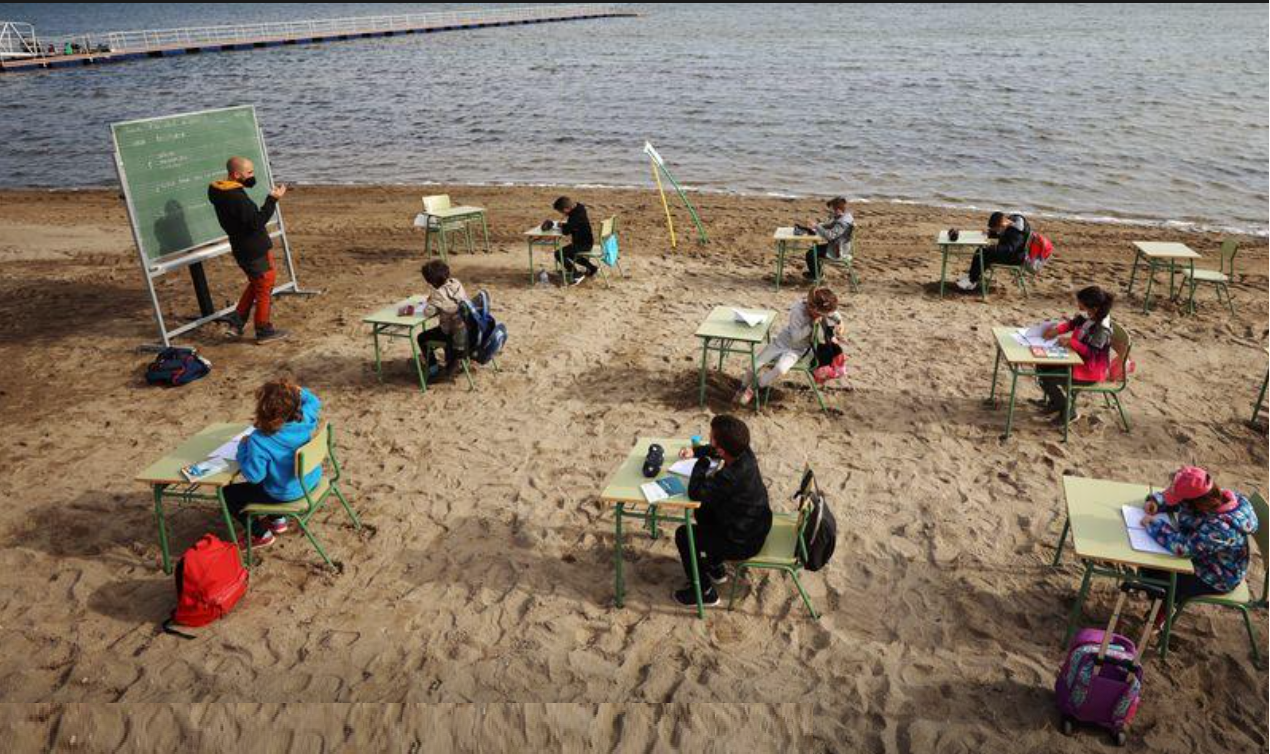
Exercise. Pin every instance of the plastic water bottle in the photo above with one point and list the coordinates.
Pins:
(544, 280)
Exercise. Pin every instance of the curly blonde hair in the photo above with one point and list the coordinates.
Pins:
(277, 402)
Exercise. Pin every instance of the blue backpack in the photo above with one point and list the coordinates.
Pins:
(609, 250)
(486, 336)
(177, 366)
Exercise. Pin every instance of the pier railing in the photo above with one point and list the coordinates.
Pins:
(230, 34)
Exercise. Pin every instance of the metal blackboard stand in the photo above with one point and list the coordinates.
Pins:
(152, 269)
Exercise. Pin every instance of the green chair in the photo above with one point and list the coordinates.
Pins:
(846, 262)
(443, 227)
(1241, 598)
(785, 548)
(608, 229)
(1219, 279)
(805, 366)
(1020, 273)
(314, 454)
(1110, 391)
(464, 361)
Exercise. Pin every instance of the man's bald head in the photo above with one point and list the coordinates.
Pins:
(239, 168)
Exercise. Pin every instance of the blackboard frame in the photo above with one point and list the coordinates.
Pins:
(152, 268)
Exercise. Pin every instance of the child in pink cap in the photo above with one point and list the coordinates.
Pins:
(1212, 528)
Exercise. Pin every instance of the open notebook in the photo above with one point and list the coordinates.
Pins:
(1139, 538)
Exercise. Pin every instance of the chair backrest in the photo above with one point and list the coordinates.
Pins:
(314, 453)
(806, 490)
(436, 203)
(1121, 344)
(608, 227)
(1262, 537)
(1229, 248)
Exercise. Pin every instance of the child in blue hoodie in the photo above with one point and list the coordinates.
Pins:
(1212, 529)
(286, 418)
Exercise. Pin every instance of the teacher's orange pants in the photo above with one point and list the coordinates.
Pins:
(259, 292)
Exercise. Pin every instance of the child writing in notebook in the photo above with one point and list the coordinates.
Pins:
(286, 418)
(794, 341)
(444, 303)
(735, 516)
(1212, 529)
(1089, 335)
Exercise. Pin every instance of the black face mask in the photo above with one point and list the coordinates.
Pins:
(250, 182)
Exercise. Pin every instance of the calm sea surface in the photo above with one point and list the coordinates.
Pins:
(1154, 113)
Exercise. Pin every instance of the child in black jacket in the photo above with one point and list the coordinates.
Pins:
(734, 518)
(577, 226)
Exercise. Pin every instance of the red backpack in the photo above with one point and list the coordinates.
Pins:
(210, 579)
(1039, 250)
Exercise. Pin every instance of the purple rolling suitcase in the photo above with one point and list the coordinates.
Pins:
(1101, 680)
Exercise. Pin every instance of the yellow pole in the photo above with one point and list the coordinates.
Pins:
(664, 205)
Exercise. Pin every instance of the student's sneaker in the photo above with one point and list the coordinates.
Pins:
(237, 325)
(264, 540)
(1045, 405)
(269, 333)
(809, 275)
(719, 576)
(964, 284)
(578, 278)
(279, 525)
(686, 598)
(1059, 418)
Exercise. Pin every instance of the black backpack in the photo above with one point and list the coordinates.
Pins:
(177, 366)
(820, 532)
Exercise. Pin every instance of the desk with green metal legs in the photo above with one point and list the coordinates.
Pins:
(442, 222)
(1020, 362)
(723, 334)
(1157, 256)
(785, 239)
(1101, 541)
(387, 323)
(169, 484)
(969, 243)
(552, 239)
(623, 492)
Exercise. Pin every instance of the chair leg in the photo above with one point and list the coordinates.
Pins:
(357, 524)
(467, 373)
(1124, 419)
(1230, 300)
(802, 592)
(1252, 636)
(313, 541)
(736, 577)
(815, 389)
(251, 561)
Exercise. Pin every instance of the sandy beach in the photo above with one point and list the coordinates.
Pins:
(485, 574)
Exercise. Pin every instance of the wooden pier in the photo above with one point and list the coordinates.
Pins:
(34, 53)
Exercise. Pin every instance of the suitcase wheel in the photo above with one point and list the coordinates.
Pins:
(1068, 726)
(1121, 737)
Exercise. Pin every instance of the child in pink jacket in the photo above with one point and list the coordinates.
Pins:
(1089, 335)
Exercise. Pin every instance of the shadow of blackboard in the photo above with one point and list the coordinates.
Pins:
(172, 230)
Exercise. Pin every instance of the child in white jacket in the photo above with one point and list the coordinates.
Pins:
(794, 341)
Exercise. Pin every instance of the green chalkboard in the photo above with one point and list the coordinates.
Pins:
(165, 165)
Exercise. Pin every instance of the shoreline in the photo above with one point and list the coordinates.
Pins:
(1181, 226)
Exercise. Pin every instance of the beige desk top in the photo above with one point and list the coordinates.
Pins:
(623, 485)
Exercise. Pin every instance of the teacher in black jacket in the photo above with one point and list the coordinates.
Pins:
(734, 517)
(246, 225)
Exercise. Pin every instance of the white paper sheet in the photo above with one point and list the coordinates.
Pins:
(229, 451)
(1035, 336)
(1139, 539)
(749, 319)
(653, 492)
(684, 468)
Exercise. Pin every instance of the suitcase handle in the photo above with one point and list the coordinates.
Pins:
(1147, 629)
